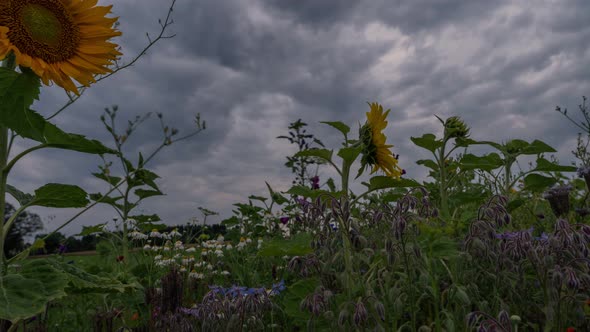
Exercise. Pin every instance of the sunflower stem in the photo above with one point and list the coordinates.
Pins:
(8, 63)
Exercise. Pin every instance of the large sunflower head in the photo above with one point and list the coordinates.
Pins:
(375, 152)
(59, 40)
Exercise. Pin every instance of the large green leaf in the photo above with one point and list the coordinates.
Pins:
(544, 165)
(60, 196)
(298, 245)
(15, 86)
(537, 182)
(83, 282)
(537, 147)
(428, 142)
(487, 162)
(20, 297)
(54, 281)
(344, 129)
(349, 154)
(384, 182)
(25, 294)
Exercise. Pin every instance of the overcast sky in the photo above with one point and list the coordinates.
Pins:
(250, 67)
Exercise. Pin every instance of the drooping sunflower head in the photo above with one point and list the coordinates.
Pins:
(375, 152)
(59, 40)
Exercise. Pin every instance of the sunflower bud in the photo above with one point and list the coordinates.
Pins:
(456, 128)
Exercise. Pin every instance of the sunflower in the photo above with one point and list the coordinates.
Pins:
(375, 152)
(59, 40)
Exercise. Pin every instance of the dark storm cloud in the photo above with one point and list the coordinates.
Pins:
(252, 67)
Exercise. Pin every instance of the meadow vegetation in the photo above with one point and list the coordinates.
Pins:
(482, 244)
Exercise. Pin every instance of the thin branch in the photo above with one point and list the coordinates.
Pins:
(167, 22)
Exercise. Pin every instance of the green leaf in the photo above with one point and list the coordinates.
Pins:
(543, 165)
(349, 154)
(344, 129)
(112, 180)
(515, 204)
(143, 176)
(384, 182)
(231, 221)
(276, 197)
(463, 198)
(428, 142)
(17, 93)
(16, 86)
(294, 294)
(60, 196)
(106, 200)
(487, 162)
(331, 185)
(298, 245)
(54, 281)
(319, 153)
(537, 182)
(20, 297)
(83, 282)
(428, 163)
(88, 230)
(537, 147)
(21, 197)
(300, 191)
(143, 193)
(257, 198)
(57, 138)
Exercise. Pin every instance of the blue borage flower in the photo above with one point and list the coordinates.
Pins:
(239, 291)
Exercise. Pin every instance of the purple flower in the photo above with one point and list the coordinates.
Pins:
(315, 182)
(284, 220)
(302, 201)
(62, 249)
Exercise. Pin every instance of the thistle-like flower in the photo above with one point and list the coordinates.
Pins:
(558, 198)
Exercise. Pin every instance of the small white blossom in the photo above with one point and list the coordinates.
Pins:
(229, 247)
(219, 253)
(191, 249)
(196, 275)
(204, 252)
(147, 247)
(178, 245)
(137, 235)
(175, 233)
(183, 269)
(155, 233)
(225, 273)
(209, 267)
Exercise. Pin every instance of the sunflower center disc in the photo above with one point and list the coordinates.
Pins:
(42, 25)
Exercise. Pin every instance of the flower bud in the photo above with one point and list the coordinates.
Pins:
(456, 128)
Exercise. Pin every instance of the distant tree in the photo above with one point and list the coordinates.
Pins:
(25, 225)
